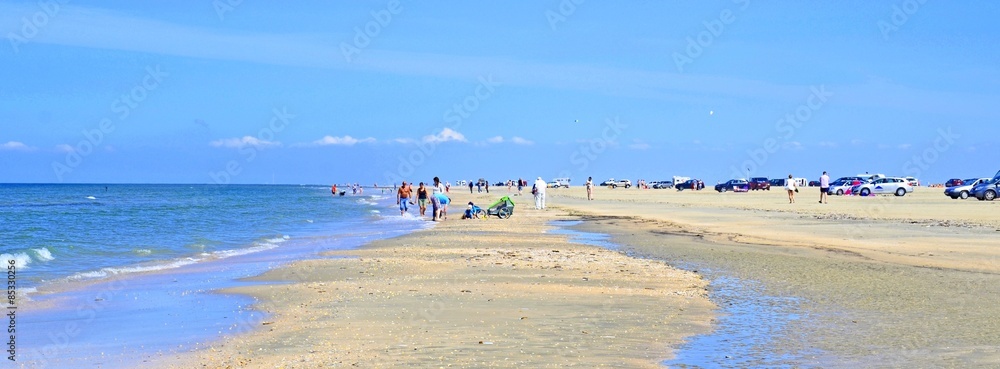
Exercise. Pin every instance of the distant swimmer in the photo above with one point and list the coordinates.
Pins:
(333, 189)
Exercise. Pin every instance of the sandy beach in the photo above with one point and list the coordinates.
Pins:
(468, 293)
(868, 282)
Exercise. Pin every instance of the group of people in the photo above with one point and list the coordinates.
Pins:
(824, 186)
(435, 194)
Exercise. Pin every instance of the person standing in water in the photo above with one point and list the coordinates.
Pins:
(403, 197)
(422, 199)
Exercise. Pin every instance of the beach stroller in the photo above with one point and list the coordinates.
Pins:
(503, 208)
(474, 211)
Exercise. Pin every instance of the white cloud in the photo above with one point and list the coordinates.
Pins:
(239, 143)
(904, 146)
(792, 145)
(16, 146)
(403, 140)
(638, 145)
(64, 148)
(346, 140)
(497, 139)
(447, 134)
(521, 141)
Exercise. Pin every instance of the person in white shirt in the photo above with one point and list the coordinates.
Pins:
(824, 186)
(790, 186)
(539, 194)
(436, 188)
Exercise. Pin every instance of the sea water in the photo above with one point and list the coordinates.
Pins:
(120, 273)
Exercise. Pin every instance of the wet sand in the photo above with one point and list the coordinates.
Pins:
(871, 282)
(468, 293)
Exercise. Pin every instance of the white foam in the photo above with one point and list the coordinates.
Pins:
(91, 198)
(21, 260)
(43, 254)
(143, 251)
(105, 272)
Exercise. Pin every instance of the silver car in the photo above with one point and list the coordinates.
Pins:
(963, 191)
(893, 185)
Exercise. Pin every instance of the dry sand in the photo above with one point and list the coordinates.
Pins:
(468, 293)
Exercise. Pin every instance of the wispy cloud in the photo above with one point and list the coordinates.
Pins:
(344, 141)
(64, 148)
(793, 145)
(446, 135)
(638, 145)
(514, 140)
(521, 141)
(16, 146)
(245, 141)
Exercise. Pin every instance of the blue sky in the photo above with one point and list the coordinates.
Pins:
(377, 91)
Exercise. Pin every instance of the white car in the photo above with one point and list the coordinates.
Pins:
(963, 191)
(556, 184)
(893, 185)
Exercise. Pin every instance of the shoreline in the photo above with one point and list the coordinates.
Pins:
(469, 292)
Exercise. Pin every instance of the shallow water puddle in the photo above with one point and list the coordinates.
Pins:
(749, 319)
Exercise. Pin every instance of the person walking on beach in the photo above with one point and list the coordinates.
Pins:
(487, 186)
(590, 188)
(436, 188)
(539, 192)
(403, 197)
(520, 185)
(790, 186)
(422, 199)
(824, 186)
(470, 186)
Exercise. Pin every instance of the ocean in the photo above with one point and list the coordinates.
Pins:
(111, 275)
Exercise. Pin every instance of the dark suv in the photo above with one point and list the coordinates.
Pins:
(759, 183)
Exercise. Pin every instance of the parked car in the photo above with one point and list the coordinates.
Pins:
(954, 182)
(886, 185)
(912, 181)
(840, 187)
(987, 191)
(813, 183)
(963, 190)
(554, 184)
(662, 184)
(736, 185)
(615, 184)
(564, 182)
(691, 184)
(760, 183)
